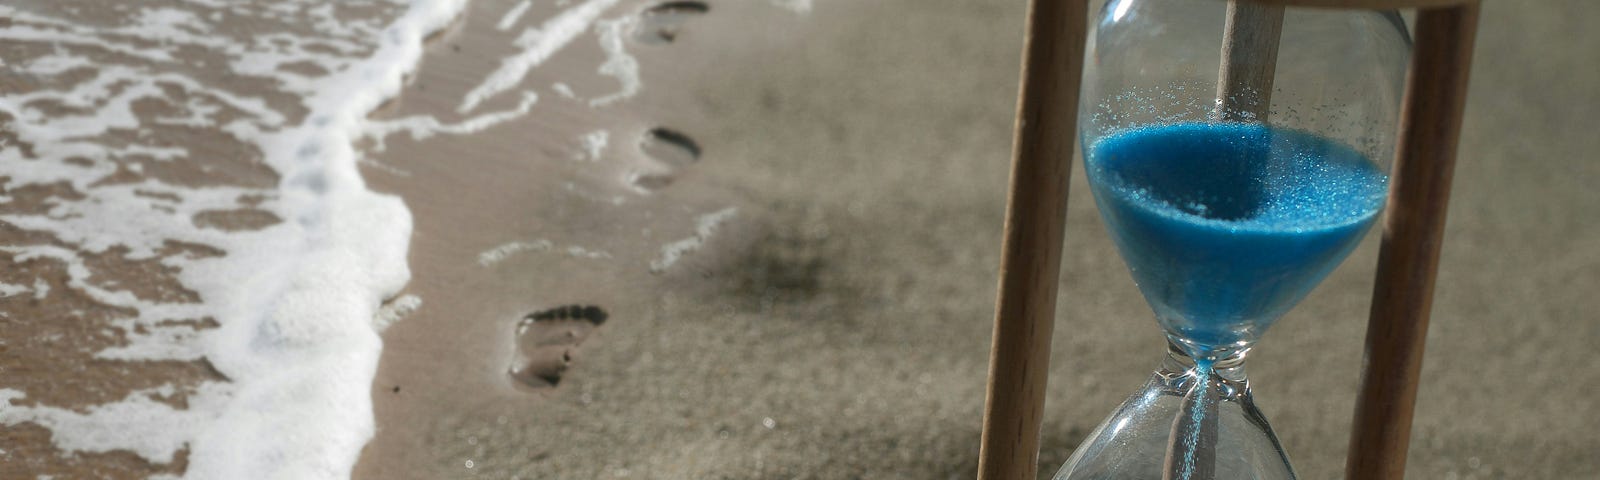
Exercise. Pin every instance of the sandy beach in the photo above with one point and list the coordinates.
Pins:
(764, 235)
(847, 299)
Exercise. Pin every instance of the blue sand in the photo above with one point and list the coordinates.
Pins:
(1197, 416)
(1226, 226)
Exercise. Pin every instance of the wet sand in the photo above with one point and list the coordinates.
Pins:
(833, 320)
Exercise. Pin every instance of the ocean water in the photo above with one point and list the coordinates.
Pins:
(1226, 226)
(211, 142)
(180, 191)
(216, 141)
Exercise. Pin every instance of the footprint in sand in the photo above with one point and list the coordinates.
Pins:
(547, 341)
(661, 24)
(671, 151)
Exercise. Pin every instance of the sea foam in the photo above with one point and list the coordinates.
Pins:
(293, 304)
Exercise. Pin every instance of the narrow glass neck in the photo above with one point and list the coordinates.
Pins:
(1216, 353)
(1229, 366)
(1205, 386)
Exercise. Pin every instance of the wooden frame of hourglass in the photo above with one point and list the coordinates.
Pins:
(1413, 229)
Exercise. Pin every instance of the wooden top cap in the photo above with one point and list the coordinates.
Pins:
(1369, 4)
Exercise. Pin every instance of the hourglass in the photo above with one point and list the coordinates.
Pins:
(1237, 151)
(1230, 199)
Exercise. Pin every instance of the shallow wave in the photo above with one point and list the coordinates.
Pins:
(179, 193)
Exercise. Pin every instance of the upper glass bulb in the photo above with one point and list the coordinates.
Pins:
(1229, 198)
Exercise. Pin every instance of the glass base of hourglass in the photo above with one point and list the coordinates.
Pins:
(1189, 422)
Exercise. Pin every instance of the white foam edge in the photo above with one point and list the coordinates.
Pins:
(8, 289)
(395, 310)
(618, 64)
(537, 44)
(421, 127)
(705, 226)
(513, 14)
(594, 143)
(102, 427)
(303, 365)
(504, 251)
(297, 336)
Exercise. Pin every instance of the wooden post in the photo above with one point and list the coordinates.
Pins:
(1249, 60)
(1430, 124)
(1030, 258)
